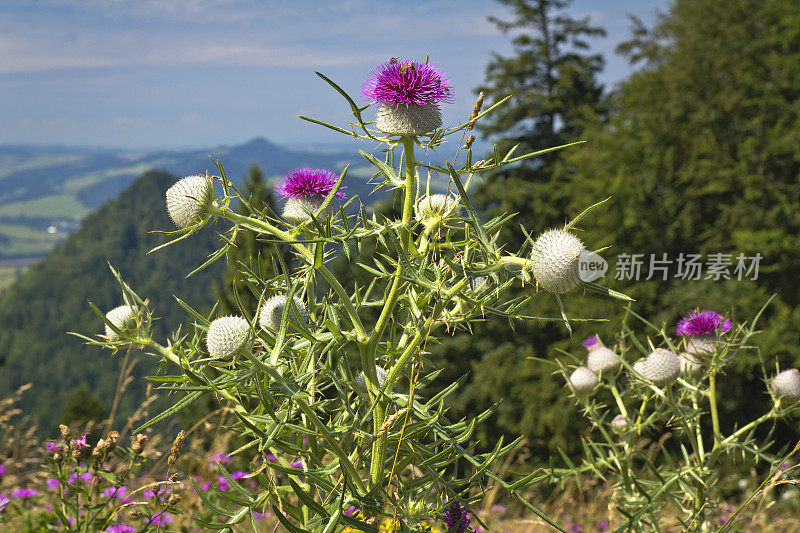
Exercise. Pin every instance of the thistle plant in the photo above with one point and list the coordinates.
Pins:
(656, 431)
(331, 385)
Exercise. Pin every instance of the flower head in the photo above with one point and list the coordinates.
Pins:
(456, 518)
(53, 484)
(582, 380)
(619, 423)
(591, 342)
(189, 199)
(24, 493)
(227, 336)
(555, 260)
(397, 83)
(309, 183)
(53, 446)
(601, 359)
(703, 322)
(3, 502)
(219, 457)
(272, 311)
(438, 209)
(787, 384)
(661, 366)
(123, 318)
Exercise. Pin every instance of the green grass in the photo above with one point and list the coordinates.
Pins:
(27, 233)
(7, 275)
(56, 206)
(75, 184)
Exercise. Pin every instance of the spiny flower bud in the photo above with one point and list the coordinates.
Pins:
(480, 284)
(437, 209)
(619, 423)
(787, 384)
(272, 311)
(123, 318)
(689, 363)
(228, 336)
(583, 380)
(296, 209)
(188, 200)
(601, 359)
(661, 366)
(360, 382)
(555, 261)
(639, 366)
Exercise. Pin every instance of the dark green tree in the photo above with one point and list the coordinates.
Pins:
(700, 155)
(82, 406)
(552, 77)
(552, 80)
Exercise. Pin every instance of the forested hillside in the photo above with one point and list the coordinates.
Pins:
(51, 298)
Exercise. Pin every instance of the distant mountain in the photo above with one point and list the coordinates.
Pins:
(45, 191)
(50, 298)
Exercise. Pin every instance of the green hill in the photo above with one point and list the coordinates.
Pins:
(51, 298)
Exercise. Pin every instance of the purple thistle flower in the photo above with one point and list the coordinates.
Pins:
(239, 474)
(24, 493)
(350, 511)
(298, 464)
(309, 183)
(53, 484)
(398, 83)
(456, 518)
(120, 528)
(591, 341)
(703, 322)
(80, 443)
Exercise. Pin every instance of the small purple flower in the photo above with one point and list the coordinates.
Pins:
(2, 471)
(80, 443)
(309, 183)
(219, 457)
(703, 322)
(120, 528)
(602, 527)
(24, 494)
(53, 446)
(161, 519)
(271, 457)
(53, 484)
(350, 511)
(407, 82)
(298, 464)
(3, 502)
(591, 341)
(239, 474)
(577, 528)
(116, 492)
(456, 518)
(86, 477)
(260, 516)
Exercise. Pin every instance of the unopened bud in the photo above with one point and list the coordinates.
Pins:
(139, 442)
(177, 448)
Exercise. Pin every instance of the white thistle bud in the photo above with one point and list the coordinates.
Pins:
(228, 336)
(296, 209)
(437, 209)
(360, 382)
(690, 363)
(787, 384)
(701, 344)
(583, 380)
(408, 119)
(555, 260)
(272, 311)
(661, 366)
(619, 424)
(123, 318)
(601, 359)
(188, 200)
(639, 366)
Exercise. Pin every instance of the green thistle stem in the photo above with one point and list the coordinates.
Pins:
(368, 356)
(615, 392)
(712, 399)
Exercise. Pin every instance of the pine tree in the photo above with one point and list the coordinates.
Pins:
(700, 156)
(553, 79)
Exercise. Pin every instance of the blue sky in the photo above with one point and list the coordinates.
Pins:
(196, 73)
